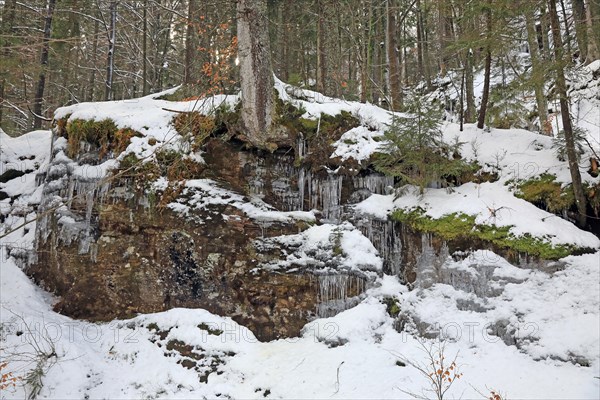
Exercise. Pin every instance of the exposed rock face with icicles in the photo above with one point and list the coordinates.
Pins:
(272, 240)
(108, 251)
(240, 240)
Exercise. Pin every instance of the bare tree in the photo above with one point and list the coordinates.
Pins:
(41, 84)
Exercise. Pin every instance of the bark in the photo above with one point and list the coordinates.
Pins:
(41, 84)
(94, 58)
(425, 36)
(321, 53)
(543, 33)
(110, 58)
(392, 59)
(145, 49)
(6, 29)
(376, 66)
(419, 29)
(444, 28)
(190, 43)
(593, 52)
(537, 74)
(486, 78)
(580, 28)
(567, 28)
(365, 54)
(469, 88)
(561, 87)
(256, 75)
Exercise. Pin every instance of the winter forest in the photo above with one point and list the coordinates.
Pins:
(300, 199)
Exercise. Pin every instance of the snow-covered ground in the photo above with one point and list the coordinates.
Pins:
(525, 333)
(352, 355)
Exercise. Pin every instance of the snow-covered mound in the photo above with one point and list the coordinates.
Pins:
(491, 204)
(192, 353)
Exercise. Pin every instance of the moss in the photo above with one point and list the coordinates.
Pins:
(392, 306)
(448, 227)
(176, 167)
(129, 161)
(545, 191)
(462, 226)
(98, 133)
(102, 134)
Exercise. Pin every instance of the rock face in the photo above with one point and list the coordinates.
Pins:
(109, 252)
(227, 240)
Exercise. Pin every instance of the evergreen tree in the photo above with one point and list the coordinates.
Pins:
(414, 150)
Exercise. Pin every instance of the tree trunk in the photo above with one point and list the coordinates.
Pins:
(392, 59)
(376, 65)
(537, 74)
(321, 54)
(443, 34)
(41, 84)
(419, 29)
(544, 29)
(7, 30)
(190, 43)
(488, 69)
(561, 86)
(580, 28)
(593, 52)
(469, 88)
(256, 75)
(110, 58)
(567, 29)
(365, 52)
(425, 36)
(145, 49)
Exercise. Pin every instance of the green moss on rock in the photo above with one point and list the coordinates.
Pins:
(103, 134)
(461, 226)
(544, 190)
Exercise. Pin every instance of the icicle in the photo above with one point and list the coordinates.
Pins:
(337, 293)
(386, 238)
(326, 196)
(301, 179)
(70, 193)
(375, 183)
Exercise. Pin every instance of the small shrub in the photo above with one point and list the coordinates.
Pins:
(415, 152)
(439, 373)
(560, 146)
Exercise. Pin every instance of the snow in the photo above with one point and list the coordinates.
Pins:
(491, 204)
(205, 192)
(317, 246)
(358, 143)
(147, 115)
(351, 355)
(535, 334)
